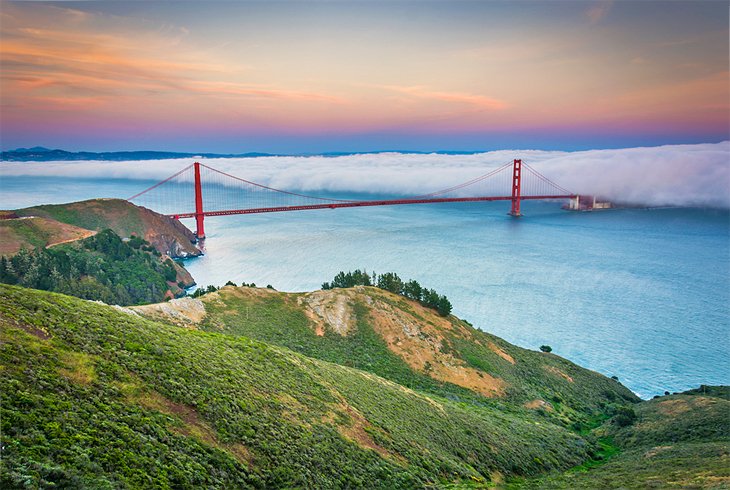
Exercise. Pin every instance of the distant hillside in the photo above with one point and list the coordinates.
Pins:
(168, 236)
(405, 342)
(41, 154)
(31, 232)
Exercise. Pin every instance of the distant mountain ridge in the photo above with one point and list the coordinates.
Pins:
(42, 154)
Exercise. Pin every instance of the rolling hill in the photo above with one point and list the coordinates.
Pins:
(98, 397)
(352, 387)
(399, 339)
(34, 231)
(168, 236)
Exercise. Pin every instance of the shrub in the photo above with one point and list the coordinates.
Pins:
(546, 348)
(625, 416)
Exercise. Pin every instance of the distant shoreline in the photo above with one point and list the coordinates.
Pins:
(40, 154)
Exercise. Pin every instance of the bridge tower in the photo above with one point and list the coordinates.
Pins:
(516, 188)
(199, 215)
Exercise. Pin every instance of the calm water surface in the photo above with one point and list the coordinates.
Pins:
(640, 294)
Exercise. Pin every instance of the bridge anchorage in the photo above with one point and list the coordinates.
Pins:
(217, 193)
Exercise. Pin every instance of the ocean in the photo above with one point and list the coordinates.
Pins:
(641, 294)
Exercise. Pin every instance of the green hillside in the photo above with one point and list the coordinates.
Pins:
(407, 343)
(95, 397)
(677, 441)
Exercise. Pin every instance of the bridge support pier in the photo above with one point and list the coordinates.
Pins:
(516, 188)
(199, 214)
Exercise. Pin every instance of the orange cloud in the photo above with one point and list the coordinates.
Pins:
(481, 102)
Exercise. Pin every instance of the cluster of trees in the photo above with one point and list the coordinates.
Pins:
(390, 281)
(211, 289)
(139, 243)
(208, 289)
(102, 267)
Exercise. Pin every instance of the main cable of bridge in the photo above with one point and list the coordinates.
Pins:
(277, 200)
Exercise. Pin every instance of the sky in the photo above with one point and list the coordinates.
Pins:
(307, 77)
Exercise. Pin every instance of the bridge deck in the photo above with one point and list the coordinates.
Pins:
(355, 204)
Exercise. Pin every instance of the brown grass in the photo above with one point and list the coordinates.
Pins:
(418, 342)
(495, 348)
(558, 372)
(537, 404)
(78, 367)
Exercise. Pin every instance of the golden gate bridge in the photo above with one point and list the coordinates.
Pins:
(217, 193)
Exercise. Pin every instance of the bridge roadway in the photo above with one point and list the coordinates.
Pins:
(356, 204)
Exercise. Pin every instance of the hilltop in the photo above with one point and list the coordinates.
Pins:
(168, 236)
(103, 249)
(34, 231)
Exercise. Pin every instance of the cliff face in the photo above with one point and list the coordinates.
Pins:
(168, 236)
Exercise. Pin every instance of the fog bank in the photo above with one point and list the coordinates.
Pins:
(676, 175)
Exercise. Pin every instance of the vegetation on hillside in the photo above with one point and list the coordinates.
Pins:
(390, 281)
(675, 441)
(562, 391)
(98, 398)
(102, 267)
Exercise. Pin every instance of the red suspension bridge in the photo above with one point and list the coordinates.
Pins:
(218, 193)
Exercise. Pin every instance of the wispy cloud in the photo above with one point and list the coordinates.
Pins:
(73, 63)
(598, 11)
(479, 101)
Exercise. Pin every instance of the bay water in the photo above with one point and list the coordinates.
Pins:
(641, 294)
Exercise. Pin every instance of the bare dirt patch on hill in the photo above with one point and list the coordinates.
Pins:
(185, 312)
(418, 340)
(331, 309)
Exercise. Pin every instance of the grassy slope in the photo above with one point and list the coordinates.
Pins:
(36, 232)
(571, 394)
(99, 398)
(677, 441)
(167, 235)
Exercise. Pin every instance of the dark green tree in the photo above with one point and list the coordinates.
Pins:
(413, 290)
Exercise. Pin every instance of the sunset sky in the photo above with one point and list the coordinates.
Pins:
(301, 76)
